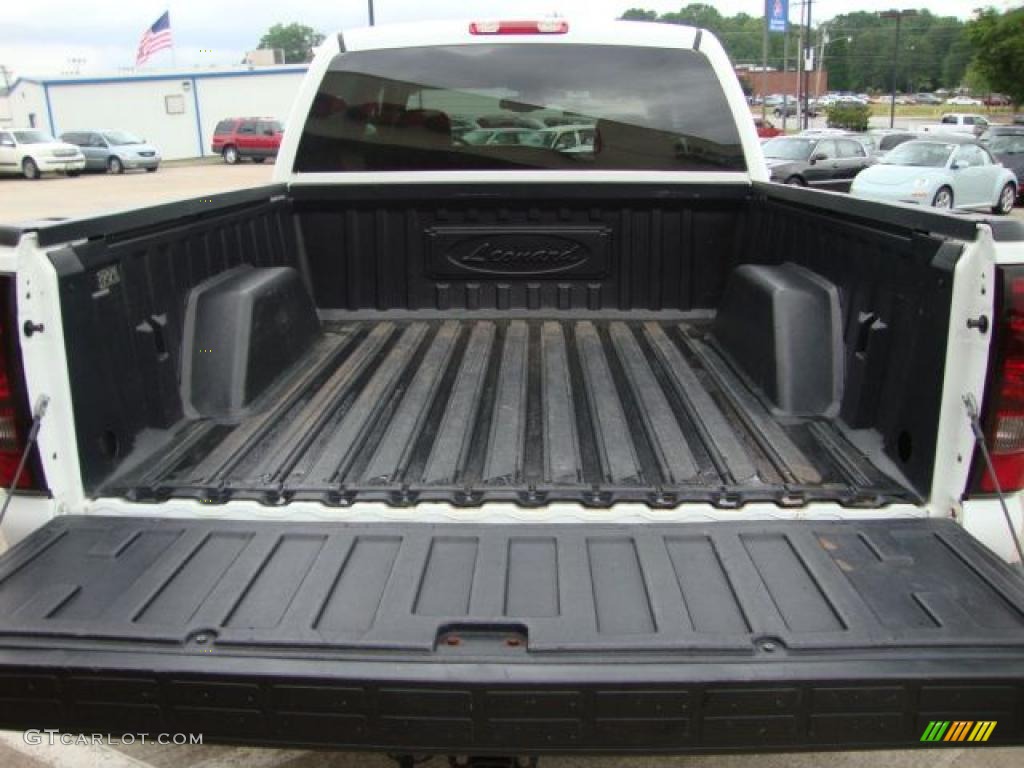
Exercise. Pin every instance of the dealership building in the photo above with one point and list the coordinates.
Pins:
(176, 111)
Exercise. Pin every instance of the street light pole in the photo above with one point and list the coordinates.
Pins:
(370, 4)
(898, 15)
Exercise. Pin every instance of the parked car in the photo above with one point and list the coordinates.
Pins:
(497, 461)
(1000, 130)
(929, 99)
(565, 138)
(33, 153)
(996, 100)
(765, 128)
(1008, 148)
(943, 172)
(956, 122)
(964, 101)
(887, 139)
(257, 138)
(113, 151)
(793, 106)
(825, 162)
(503, 137)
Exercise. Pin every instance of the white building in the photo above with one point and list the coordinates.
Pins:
(175, 111)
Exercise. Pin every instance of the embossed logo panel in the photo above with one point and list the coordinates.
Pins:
(535, 252)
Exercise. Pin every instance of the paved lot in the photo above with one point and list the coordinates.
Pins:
(25, 200)
(22, 200)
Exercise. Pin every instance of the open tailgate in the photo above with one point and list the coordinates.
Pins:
(512, 639)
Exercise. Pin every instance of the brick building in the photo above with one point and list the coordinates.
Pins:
(773, 81)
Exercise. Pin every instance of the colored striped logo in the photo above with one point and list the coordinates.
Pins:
(958, 730)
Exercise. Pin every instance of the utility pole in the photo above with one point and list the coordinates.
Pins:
(764, 63)
(808, 57)
(370, 4)
(800, 65)
(898, 15)
(785, 78)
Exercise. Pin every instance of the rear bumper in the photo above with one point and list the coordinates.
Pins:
(512, 639)
(509, 708)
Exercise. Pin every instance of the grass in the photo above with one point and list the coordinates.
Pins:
(925, 111)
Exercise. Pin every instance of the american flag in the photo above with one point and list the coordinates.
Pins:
(156, 38)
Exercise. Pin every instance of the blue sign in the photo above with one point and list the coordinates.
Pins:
(777, 12)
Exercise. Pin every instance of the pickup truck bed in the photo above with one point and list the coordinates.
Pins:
(530, 411)
(498, 638)
(431, 378)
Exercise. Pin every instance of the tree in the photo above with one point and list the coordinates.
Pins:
(998, 42)
(639, 14)
(297, 40)
(858, 46)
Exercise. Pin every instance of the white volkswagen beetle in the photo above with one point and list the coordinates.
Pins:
(32, 153)
(943, 172)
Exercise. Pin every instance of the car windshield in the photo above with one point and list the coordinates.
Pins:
(920, 153)
(788, 149)
(121, 138)
(1007, 145)
(392, 110)
(32, 137)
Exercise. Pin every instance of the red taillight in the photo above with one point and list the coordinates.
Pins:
(543, 27)
(1004, 422)
(13, 413)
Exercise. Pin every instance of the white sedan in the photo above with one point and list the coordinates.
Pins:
(964, 101)
(32, 153)
(944, 172)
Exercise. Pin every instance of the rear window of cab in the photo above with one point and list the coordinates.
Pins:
(497, 107)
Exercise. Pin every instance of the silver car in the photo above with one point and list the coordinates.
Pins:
(114, 151)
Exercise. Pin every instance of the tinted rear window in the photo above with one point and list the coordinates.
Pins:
(441, 108)
(224, 126)
(894, 140)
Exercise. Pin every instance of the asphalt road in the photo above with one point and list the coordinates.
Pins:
(22, 200)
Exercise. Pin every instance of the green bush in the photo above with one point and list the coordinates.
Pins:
(849, 117)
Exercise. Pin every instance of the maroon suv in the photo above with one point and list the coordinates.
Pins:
(255, 137)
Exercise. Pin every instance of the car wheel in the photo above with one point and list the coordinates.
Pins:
(943, 198)
(30, 169)
(151, 170)
(1007, 197)
(230, 155)
(795, 181)
(114, 165)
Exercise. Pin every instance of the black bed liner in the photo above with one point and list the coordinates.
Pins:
(525, 410)
(511, 639)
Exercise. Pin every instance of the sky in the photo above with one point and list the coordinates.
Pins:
(46, 37)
